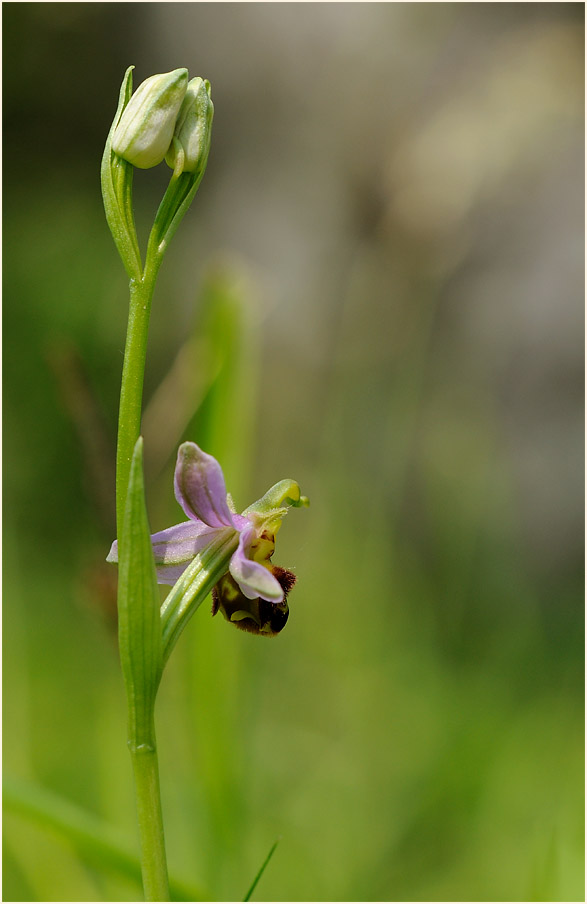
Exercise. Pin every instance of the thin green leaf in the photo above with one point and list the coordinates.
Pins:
(183, 202)
(92, 838)
(176, 201)
(261, 871)
(139, 623)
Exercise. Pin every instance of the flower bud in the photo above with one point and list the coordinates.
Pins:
(192, 129)
(145, 129)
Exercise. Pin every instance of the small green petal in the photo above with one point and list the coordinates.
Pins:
(286, 493)
(268, 512)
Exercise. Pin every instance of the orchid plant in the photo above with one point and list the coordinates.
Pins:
(216, 551)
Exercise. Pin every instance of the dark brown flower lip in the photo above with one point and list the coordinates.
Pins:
(256, 616)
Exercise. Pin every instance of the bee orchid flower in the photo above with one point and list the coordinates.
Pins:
(252, 594)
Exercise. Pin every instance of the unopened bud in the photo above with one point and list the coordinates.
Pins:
(191, 139)
(145, 130)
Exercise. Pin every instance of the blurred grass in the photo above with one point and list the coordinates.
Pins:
(91, 840)
(417, 731)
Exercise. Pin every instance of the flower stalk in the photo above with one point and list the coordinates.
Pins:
(193, 587)
(131, 386)
(150, 820)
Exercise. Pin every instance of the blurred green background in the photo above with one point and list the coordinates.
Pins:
(378, 292)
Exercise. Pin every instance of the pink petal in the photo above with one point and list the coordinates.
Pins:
(174, 548)
(253, 578)
(200, 488)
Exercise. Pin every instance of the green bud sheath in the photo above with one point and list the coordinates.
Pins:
(116, 177)
(146, 126)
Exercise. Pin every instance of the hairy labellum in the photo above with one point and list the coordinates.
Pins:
(257, 616)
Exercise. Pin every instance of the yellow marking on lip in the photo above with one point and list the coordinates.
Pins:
(241, 614)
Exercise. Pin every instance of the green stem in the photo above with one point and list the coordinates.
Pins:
(153, 860)
(131, 389)
(143, 755)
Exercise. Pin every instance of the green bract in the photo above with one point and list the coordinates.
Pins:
(139, 622)
(145, 130)
(116, 176)
(191, 138)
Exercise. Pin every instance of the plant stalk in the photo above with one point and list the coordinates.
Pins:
(150, 819)
(143, 756)
(131, 389)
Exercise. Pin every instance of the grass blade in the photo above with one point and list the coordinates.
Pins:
(261, 871)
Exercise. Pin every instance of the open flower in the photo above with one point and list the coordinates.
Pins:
(252, 594)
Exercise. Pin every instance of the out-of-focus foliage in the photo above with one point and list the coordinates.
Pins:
(378, 292)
